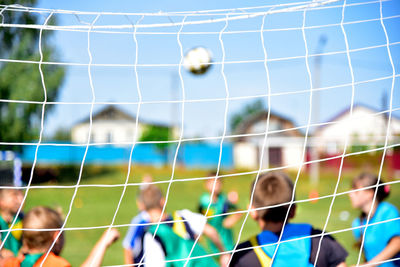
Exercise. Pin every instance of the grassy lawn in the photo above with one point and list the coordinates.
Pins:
(96, 206)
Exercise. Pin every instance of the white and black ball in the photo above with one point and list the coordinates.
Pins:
(197, 60)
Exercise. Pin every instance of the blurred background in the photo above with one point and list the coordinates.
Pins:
(310, 90)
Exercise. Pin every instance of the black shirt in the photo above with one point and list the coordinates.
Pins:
(331, 253)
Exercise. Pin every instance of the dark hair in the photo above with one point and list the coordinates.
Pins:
(272, 188)
(368, 180)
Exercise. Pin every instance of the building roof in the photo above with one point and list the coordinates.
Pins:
(252, 119)
(347, 110)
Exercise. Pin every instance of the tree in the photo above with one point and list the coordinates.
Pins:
(250, 109)
(61, 134)
(158, 133)
(20, 122)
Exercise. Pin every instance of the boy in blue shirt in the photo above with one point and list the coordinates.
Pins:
(299, 248)
(133, 241)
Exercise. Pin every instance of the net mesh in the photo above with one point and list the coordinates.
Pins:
(287, 79)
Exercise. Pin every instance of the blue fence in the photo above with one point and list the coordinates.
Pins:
(202, 155)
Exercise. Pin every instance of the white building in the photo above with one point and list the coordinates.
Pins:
(365, 126)
(109, 125)
(283, 146)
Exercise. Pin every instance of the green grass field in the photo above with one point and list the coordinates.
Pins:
(94, 206)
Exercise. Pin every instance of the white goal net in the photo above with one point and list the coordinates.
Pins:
(307, 88)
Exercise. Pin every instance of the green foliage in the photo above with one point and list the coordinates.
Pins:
(157, 133)
(61, 135)
(250, 109)
(20, 122)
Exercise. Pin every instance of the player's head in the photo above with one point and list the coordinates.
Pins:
(151, 198)
(272, 188)
(209, 184)
(370, 183)
(41, 218)
(10, 199)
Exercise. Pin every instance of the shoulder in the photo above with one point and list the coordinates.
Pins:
(138, 221)
(142, 216)
(356, 222)
(11, 262)
(59, 261)
(388, 210)
(53, 260)
(244, 255)
(331, 253)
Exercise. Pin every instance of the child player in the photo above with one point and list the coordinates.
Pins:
(36, 244)
(276, 188)
(133, 241)
(10, 201)
(381, 240)
(220, 204)
(174, 237)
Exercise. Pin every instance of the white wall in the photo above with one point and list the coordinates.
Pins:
(106, 131)
(245, 156)
(292, 154)
(246, 153)
(364, 127)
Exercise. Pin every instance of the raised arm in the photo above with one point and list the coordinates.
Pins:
(97, 254)
(211, 233)
(231, 220)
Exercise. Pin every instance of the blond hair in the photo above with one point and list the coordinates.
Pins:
(151, 197)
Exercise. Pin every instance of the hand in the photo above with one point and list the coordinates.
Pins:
(147, 178)
(5, 253)
(111, 237)
(233, 197)
(224, 259)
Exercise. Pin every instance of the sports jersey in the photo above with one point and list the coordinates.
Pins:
(299, 252)
(134, 237)
(175, 240)
(378, 236)
(35, 260)
(13, 241)
(221, 206)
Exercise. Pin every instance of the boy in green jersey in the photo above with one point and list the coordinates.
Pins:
(220, 205)
(10, 201)
(172, 241)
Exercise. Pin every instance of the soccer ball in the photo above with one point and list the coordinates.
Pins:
(197, 60)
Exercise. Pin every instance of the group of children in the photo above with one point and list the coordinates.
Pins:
(158, 238)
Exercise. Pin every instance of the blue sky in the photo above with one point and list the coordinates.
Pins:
(289, 78)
